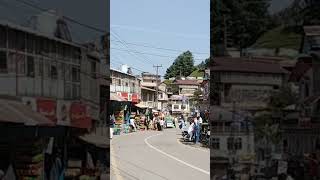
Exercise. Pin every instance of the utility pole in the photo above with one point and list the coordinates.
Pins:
(157, 82)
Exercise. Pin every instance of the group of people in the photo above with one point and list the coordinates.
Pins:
(194, 130)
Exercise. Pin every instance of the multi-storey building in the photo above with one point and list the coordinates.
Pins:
(246, 81)
(125, 85)
(149, 90)
(56, 77)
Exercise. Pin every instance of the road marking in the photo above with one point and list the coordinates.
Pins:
(200, 149)
(114, 163)
(172, 157)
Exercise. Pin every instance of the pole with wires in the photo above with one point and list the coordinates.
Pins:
(157, 83)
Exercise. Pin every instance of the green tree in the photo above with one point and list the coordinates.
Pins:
(204, 64)
(183, 64)
(251, 19)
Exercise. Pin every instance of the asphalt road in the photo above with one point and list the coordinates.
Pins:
(157, 155)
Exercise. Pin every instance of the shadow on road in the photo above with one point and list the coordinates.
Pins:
(189, 143)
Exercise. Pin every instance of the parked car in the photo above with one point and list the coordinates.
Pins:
(169, 122)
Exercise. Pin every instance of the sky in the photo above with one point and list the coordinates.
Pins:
(179, 25)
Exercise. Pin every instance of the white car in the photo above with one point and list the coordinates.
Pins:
(169, 124)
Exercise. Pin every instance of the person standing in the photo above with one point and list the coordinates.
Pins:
(196, 130)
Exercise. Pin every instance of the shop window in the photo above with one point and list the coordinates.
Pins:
(3, 37)
(30, 66)
(3, 62)
(53, 72)
(216, 143)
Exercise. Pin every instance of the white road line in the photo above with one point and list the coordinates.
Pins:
(199, 149)
(172, 157)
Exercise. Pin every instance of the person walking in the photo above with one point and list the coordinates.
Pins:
(196, 130)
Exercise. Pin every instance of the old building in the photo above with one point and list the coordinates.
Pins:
(125, 85)
(49, 73)
(301, 123)
(149, 90)
(246, 81)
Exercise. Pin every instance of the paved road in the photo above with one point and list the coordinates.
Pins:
(156, 155)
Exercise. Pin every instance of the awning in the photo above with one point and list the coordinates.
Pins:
(115, 97)
(154, 111)
(96, 140)
(13, 111)
(140, 105)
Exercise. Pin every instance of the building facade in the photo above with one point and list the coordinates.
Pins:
(50, 74)
(247, 82)
(125, 85)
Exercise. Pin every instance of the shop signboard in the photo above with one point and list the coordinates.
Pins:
(48, 108)
(135, 98)
(63, 107)
(78, 115)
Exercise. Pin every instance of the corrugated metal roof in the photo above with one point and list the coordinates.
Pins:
(312, 30)
(12, 111)
(244, 64)
(31, 31)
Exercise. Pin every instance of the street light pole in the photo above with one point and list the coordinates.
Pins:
(157, 82)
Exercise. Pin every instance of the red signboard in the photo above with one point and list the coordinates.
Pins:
(47, 107)
(124, 95)
(135, 98)
(78, 116)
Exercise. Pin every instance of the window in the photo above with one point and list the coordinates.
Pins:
(40, 67)
(30, 43)
(3, 62)
(75, 91)
(30, 66)
(75, 74)
(3, 37)
(38, 45)
(230, 143)
(306, 90)
(175, 106)
(183, 107)
(53, 72)
(93, 70)
(216, 143)
(119, 82)
(126, 84)
(238, 144)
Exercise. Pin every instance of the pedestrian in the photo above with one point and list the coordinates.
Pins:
(191, 130)
(196, 130)
(162, 123)
(132, 124)
(146, 123)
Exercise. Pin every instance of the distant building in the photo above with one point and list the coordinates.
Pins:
(148, 90)
(124, 85)
(245, 81)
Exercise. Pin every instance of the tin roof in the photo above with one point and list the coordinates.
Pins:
(13, 111)
(187, 82)
(312, 30)
(31, 31)
(244, 64)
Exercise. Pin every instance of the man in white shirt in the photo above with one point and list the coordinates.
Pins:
(132, 123)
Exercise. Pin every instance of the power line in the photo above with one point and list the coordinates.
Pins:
(125, 44)
(160, 48)
(32, 5)
(159, 55)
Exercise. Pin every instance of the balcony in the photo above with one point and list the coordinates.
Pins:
(114, 88)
